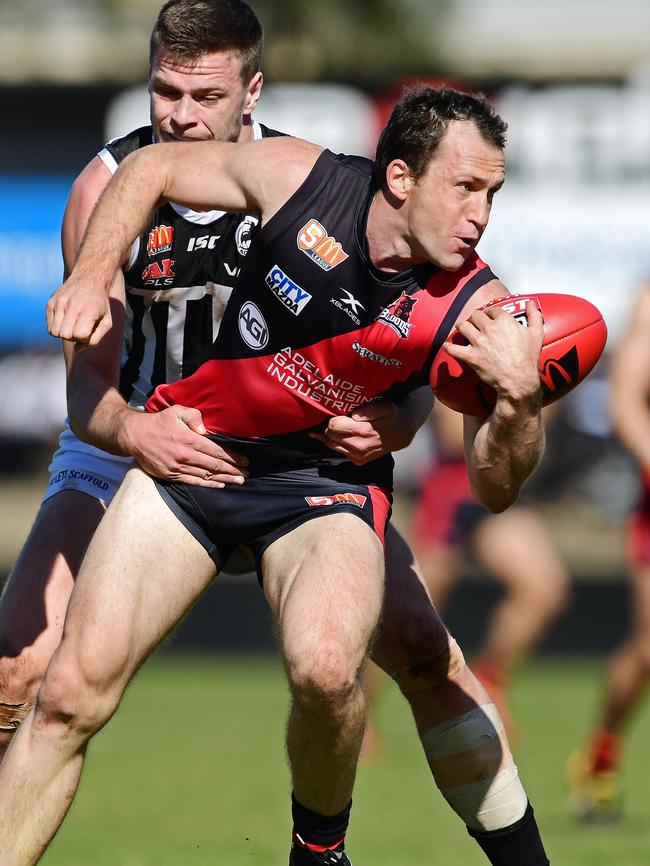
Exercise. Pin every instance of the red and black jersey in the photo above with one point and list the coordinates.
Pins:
(178, 281)
(312, 328)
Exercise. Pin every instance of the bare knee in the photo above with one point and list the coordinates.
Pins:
(322, 677)
(20, 676)
(442, 664)
(70, 701)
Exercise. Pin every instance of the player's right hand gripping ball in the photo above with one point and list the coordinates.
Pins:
(574, 338)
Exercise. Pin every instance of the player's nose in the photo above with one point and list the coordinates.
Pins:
(183, 113)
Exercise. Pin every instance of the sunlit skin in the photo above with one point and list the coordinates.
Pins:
(443, 214)
(204, 99)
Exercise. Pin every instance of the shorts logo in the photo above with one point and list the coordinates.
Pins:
(337, 499)
(77, 475)
(397, 315)
(160, 240)
(244, 234)
(374, 356)
(325, 250)
(348, 305)
(159, 273)
(286, 291)
(252, 326)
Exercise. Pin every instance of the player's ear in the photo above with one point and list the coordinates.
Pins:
(253, 93)
(399, 179)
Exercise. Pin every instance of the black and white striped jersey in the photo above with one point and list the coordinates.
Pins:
(179, 277)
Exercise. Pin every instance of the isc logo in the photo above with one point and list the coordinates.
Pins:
(314, 241)
(203, 242)
(286, 291)
(337, 499)
(252, 326)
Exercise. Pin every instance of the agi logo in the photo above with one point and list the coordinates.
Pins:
(252, 326)
(325, 250)
(286, 291)
(337, 499)
(160, 240)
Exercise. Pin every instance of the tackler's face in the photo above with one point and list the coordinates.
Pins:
(449, 205)
(204, 99)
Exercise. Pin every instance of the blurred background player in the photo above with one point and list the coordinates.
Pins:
(593, 770)
(513, 548)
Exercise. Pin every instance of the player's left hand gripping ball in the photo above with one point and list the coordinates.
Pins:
(574, 338)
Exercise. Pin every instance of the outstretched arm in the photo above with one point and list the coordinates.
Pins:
(256, 177)
(169, 444)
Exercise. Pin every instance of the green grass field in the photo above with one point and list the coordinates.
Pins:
(191, 772)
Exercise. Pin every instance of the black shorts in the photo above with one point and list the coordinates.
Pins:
(268, 506)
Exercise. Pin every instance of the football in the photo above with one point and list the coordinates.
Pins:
(574, 338)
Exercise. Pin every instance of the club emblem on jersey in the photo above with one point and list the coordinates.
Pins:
(160, 240)
(323, 249)
(244, 233)
(396, 316)
(252, 326)
(159, 273)
(349, 305)
(286, 291)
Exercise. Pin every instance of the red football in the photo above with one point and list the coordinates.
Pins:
(574, 338)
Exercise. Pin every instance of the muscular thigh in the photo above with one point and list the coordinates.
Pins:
(141, 573)
(324, 581)
(36, 595)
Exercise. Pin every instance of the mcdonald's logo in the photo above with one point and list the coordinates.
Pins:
(160, 240)
(322, 248)
(558, 374)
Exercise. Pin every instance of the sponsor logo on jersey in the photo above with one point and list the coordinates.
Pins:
(286, 291)
(397, 315)
(245, 232)
(160, 240)
(325, 250)
(159, 273)
(204, 242)
(348, 305)
(252, 326)
(294, 371)
(338, 499)
(374, 356)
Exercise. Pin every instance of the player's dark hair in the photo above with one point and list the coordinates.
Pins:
(419, 121)
(190, 28)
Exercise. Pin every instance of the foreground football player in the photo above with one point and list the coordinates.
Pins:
(419, 221)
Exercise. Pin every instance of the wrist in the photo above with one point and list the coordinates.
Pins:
(128, 426)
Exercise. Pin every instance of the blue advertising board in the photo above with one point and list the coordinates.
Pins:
(31, 208)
